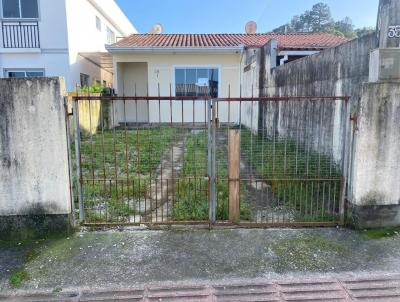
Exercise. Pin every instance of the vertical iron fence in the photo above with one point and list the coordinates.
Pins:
(161, 160)
(293, 159)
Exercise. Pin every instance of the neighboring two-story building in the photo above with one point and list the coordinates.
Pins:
(60, 38)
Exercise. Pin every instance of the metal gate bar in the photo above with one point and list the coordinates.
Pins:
(173, 168)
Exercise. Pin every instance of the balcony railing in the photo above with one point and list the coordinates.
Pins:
(18, 34)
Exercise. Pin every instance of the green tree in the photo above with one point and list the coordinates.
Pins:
(320, 18)
(296, 24)
(305, 22)
(345, 27)
(360, 32)
(283, 29)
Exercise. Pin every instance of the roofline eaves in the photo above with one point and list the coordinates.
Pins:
(169, 49)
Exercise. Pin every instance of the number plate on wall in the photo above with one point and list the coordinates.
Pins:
(394, 31)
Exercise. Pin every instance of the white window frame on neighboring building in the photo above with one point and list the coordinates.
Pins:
(24, 70)
(110, 35)
(20, 12)
(218, 67)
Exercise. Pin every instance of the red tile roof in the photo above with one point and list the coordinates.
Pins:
(303, 41)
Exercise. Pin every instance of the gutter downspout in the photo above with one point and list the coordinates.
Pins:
(240, 70)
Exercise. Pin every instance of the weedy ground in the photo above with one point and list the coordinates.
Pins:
(192, 195)
(381, 232)
(117, 167)
(303, 180)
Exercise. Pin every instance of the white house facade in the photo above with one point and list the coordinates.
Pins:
(60, 38)
(177, 64)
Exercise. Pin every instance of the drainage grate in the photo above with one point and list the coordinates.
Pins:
(385, 288)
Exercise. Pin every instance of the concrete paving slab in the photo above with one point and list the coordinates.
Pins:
(118, 259)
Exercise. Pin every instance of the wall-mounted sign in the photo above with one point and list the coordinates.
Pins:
(202, 82)
(394, 31)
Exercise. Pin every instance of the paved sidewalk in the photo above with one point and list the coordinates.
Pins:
(376, 288)
(144, 258)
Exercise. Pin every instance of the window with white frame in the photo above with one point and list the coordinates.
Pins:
(20, 9)
(110, 36)
(24, 73)
(98, 23)
(196, 81)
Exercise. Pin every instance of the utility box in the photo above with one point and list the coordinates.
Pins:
(384, 65)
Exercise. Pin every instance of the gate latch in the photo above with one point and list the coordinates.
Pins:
(354, 119)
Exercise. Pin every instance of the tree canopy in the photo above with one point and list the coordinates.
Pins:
(319, 19)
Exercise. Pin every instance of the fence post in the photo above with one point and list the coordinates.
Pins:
(78, 158)
(212, 125)
(68, 133)
(234, 175)
(345, 163)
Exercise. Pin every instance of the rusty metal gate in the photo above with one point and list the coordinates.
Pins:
(278, 161)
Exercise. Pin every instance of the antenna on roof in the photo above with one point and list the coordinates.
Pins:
(251, 27)
(156, 29)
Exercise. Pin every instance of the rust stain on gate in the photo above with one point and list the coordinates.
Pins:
(284, 164)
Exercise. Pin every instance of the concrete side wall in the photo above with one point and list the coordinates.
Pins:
(388, 17)
(90, 114)
(374, 192)
(373, 180)
(377, 146)
(334, 71)
(34, 177)
(384, 64)
(254, 65)
(339, 71)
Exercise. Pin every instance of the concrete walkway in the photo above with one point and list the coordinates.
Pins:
(137, 258)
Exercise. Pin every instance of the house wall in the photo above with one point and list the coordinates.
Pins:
(67, 28)
(34, 174)
(53, 54)
(161, 73)
(129, 73)
(85, 37)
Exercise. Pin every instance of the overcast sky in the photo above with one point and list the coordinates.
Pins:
(230, 16)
